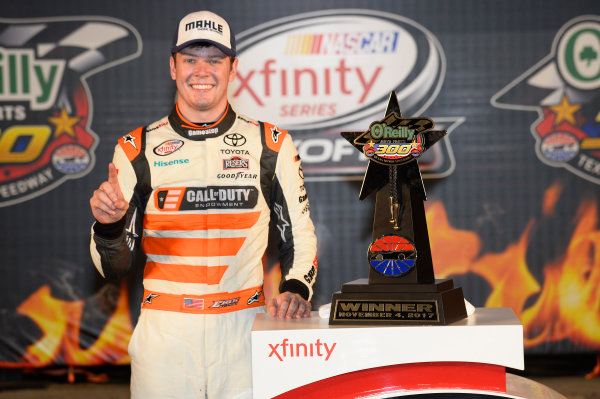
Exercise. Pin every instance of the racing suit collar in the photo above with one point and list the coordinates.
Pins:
(194, 131)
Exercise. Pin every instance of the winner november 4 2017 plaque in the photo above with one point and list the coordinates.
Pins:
(401, 288)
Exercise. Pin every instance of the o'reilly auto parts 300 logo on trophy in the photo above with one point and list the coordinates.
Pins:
(45, 103)
(330, 71)
(564, 89)
(391, 143)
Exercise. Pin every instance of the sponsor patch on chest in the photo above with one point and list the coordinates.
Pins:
(211, 197)
(236, 162)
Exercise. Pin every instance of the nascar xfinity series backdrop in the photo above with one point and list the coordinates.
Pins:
(513, 200)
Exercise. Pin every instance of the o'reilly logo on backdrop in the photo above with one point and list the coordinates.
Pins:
(564, 89)
(329, 71)
(45, 103)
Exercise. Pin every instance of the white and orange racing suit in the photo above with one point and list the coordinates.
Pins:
(201, 200)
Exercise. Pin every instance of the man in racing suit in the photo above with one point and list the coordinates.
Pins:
(197, 198)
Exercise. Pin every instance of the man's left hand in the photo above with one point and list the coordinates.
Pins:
(290, 306)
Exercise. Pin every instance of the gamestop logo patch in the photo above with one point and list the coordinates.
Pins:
(168, 147)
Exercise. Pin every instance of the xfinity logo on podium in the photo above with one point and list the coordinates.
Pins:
(333, 70)
(285, 350)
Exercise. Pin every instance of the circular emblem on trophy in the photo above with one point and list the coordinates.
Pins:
(392, 256)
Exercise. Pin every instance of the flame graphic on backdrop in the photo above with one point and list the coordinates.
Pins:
(566, 307)
(60, 322)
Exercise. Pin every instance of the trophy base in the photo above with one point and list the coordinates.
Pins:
(360, 303)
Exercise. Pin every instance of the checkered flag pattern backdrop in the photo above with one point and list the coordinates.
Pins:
(87, 43)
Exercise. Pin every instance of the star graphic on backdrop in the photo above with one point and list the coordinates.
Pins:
(377, 174)
(64, 123)
(565, 111)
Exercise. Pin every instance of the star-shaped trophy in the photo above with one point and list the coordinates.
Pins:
(401, 288)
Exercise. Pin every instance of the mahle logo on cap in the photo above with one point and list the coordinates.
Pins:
(334, 70)
(204, 25)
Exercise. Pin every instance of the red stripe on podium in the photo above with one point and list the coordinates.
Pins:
(405, 377)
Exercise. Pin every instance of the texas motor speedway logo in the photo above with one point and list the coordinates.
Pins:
(564, 89)
(45, 104)
(320, 73)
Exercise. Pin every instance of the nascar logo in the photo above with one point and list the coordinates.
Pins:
(333, 70)
(330, 68)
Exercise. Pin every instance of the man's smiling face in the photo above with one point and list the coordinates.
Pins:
(202, 74)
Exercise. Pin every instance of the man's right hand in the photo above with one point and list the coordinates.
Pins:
(107, 202)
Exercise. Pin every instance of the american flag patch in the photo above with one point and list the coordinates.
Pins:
(191, 303)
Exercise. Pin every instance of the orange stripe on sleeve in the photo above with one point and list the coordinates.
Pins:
(184, 273)
(192, 246)
(224, 221)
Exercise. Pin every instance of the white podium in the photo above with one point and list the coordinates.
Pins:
(308, 358)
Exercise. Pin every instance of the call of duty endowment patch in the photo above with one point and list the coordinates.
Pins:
(45, 103)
